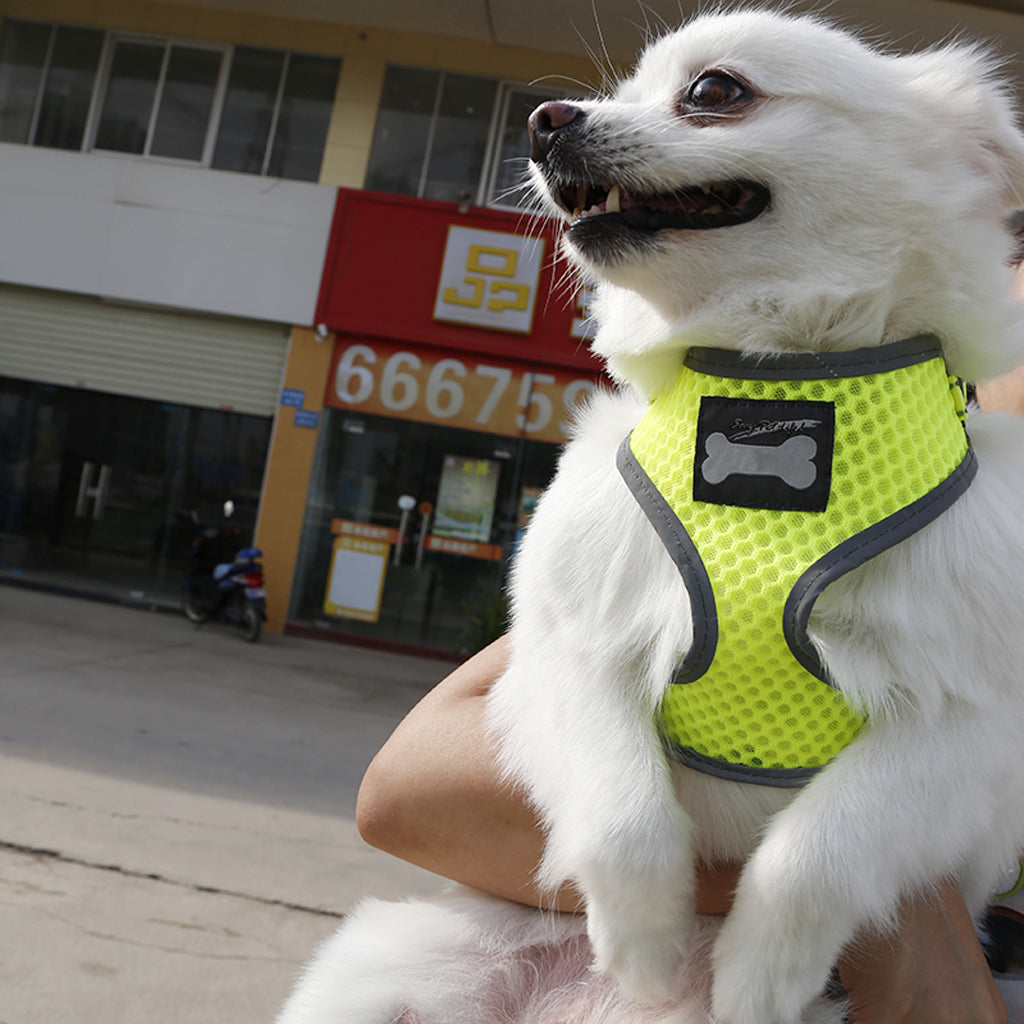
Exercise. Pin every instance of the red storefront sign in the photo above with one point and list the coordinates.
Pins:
(484, 281)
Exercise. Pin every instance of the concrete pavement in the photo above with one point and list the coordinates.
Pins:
(176, 810)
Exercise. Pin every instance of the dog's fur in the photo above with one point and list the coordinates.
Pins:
(890, 178)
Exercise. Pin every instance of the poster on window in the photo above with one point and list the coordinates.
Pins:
(355, 583)
(528, 498)
(466, 497)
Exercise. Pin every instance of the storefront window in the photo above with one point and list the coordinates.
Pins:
(105, 493)
(410, 527)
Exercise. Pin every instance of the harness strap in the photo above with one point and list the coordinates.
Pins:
(767, 479)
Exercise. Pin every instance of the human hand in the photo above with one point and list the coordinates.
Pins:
(930, 971)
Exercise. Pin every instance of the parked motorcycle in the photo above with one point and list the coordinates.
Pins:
(216, 588)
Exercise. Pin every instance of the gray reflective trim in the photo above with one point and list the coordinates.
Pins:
(688, 561)
(720, 362)
(781, 778)
(859, 549)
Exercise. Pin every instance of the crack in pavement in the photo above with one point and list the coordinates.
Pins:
(149, 876)
(171, 950)
(167, 819)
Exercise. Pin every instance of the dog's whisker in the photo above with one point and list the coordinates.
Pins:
(609, 77)
(587, 89)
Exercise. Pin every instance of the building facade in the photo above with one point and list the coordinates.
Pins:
(175, 183)
(453, 366)
(253, 252)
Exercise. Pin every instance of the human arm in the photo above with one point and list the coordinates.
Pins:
(931, 970)
(1004, 394)
(433, 796)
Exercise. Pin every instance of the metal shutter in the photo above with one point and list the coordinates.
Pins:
(185, 358)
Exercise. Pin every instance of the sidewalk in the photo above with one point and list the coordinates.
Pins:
(176, 808)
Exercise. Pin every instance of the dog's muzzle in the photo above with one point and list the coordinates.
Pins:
(602, 211)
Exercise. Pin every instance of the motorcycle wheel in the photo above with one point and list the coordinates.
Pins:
(193, 611)
(251, 623)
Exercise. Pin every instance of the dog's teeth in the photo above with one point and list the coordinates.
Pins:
(612, 202)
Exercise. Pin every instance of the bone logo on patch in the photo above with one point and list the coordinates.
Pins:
(792, 461)
(764, 454)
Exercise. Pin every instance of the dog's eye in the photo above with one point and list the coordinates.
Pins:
(715, 89)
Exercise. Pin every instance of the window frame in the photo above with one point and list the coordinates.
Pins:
(499, 122)
(99, 96)
(53, 27)
(101, 86)
(484, 187)
(44, 77)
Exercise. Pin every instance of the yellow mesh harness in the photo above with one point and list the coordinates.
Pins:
(767, 479)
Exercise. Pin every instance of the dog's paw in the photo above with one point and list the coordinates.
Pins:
(644, 966)
(744, 994)
(643, 959)
(762, 975)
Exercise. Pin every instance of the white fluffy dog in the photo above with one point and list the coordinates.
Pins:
(783, 219)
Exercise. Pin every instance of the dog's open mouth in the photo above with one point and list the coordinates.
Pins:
(717, 205)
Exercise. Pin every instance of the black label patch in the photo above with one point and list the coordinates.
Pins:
(773, 455)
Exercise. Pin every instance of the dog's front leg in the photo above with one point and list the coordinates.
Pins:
(903, 806)
(581, 740)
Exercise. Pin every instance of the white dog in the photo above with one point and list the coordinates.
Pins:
(775, 555)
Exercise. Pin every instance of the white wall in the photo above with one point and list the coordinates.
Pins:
(149, 232)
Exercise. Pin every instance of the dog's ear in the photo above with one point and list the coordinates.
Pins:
(965, 87)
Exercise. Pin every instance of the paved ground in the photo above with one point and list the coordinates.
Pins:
(176, 810)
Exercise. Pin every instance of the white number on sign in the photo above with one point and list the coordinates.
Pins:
(404, 383)
(399, 389)
(501, 375)
(530, 397)
(445, 396)
(349, 373)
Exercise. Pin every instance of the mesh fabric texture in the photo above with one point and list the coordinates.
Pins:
(898, 435)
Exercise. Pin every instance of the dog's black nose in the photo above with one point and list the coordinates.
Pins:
(546, 122)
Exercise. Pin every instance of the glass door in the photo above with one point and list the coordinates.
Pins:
(106, 492)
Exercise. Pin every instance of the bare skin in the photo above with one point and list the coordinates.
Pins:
(433, 796)
(1004, 394)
